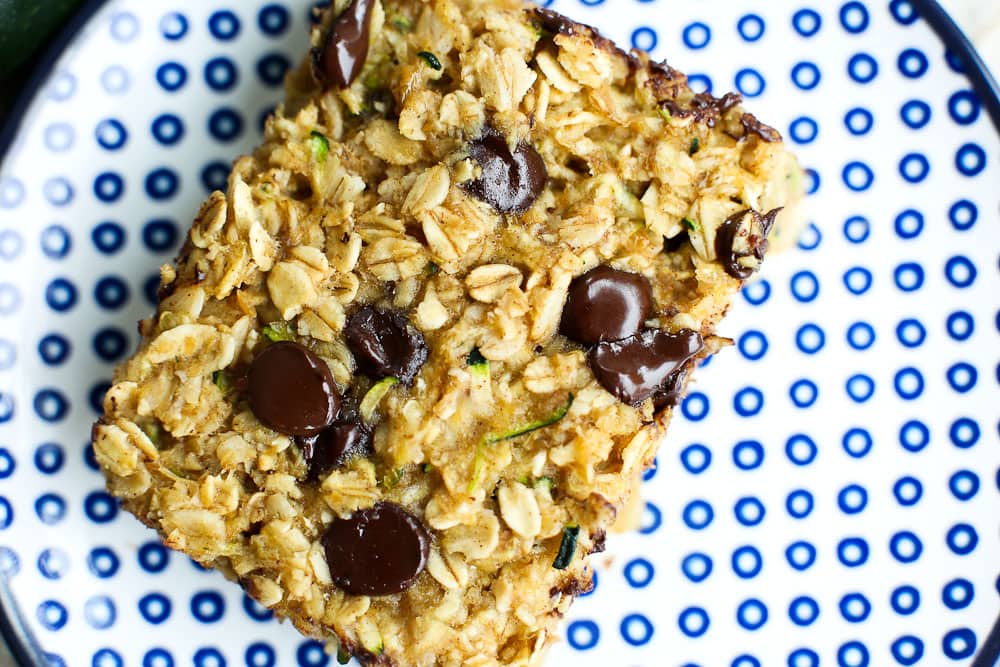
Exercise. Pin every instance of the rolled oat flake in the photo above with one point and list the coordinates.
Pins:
(378, 551)
(606, 304)
(342, 56)
(292, 390)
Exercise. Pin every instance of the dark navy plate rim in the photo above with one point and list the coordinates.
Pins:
(14, 629)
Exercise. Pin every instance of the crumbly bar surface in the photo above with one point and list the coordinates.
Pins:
(436, 325)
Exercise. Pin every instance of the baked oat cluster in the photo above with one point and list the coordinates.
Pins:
(408, 369)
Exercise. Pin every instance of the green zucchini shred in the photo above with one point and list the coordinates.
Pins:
(567, 548)
(431, 60)
(278, 331)
(532, 426)
(343, 657)
(374, 396)
(690, 225)
(401, 23)
(222, 381)
(320, 146)
(695, 146)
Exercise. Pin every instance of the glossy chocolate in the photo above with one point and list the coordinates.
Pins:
(378, 551)
(606, 304)
(291, 390)
(638, 367)
(750, 229)
(385, 345)
(335, 446)
(510, 182)
(339, 61)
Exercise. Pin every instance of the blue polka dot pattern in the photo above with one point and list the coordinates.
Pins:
(871, 315)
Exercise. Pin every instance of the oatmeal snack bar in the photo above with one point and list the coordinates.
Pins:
(407, 370)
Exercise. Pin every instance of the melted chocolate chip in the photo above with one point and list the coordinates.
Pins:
(378, 551)
(291, 390)
(753, 126)
(606, 304)
(741, 241)
(636, 368)
(384, 344)
(339, 60)
(335, 446)
(674, 244)
(511, 182)
(672, 391)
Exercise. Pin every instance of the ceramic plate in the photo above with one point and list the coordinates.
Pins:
(828, 494)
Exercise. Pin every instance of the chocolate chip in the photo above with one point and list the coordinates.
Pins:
(636, 368)
(674, 244)
(753, 126)
(741, 241)
(378, 551)
(292, 390)
(384, 344)
(339, 60)
(671, 392)
(606, 304)
(511, 182)
(335, 446)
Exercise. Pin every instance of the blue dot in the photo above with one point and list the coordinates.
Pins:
(157, 657)
(800, 449)
(970, 160)
(700, 83)
(273, 20)
(857, 229)
(224, 25)
(53, 564)
(806, 75)
(799, 504)
(51, 405)
(11, 244)
(221, 74)
(697, 567)
(751, 27)
(810, 339)
(859, 121)
(52, 615)
(696, 35)
(58, 191)
(911, 333)
(962, 539)
(914, 436)
(959, 644)
(214, 176)
(96, 396)
(99, 612)
(749, 511)
(748, 454)
(914, 168)
(695, 406)
(7, 463)
(803, 393)
(652, 519)
(260, 655)
(311, 654)
(255, 610)
(854, 17)
(151, 289)
(757, 292)
(852, 551)
(748, 402)
(100, 507)
(905, 600)
(855, 607)
(960, 271)
(644, 38)
(907, 650)
(171, 76)
(858, 280)
(964, 485)
(862, 68)
(860, 336)
(160, 235)
(50, 508)
(639, 573)
(111, 292)
(696, 458)
(693, 621)
(903, 11)
(115, 80)
(111, 134)
(909, 224)
(912, 63)
(108, 237)
(860, 387)
(208, 606)
(800, 555)
(962, 377)
(173, 26)
(153, 557)
(747, 562)
(803, 611)
(858, 176)
(272, 67)
(909, 383)
(59, 137)
(225, 124)
(102, 562)
(906, 547)
(698, 515)
(964, 107)
(857, 442)
(909, 276)
(6, 513)
(636, 629)
(167, 129)
(806, 22)
(751, 614)
(750, 82)
(810, 237)
(10, 564)
(56, 242)
(651, 471)
(162, 183)
(155, 608)
(745, 660)
(908, 491)
(852, 499)
(958, 594)
(812, 181)
(915, 114)
(961, 325)
(753, 345)
(109, 187)
(583, 635)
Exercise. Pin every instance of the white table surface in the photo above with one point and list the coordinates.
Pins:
(980, 19)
